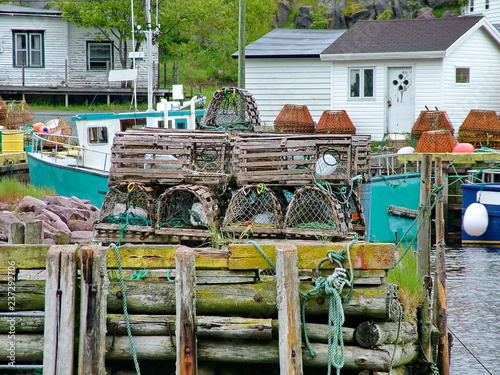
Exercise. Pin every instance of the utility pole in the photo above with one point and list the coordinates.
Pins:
(149, 42)
(241, 44)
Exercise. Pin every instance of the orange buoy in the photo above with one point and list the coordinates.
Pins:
(463, 148)
(37, 126)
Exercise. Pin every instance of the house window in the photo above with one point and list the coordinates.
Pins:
(361, 82)
(486, 4)
(28, 49)
(98, 135)
(471, 6)
(99, 55)
(462, 75)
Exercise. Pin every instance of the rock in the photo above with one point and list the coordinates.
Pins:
(31, 204)
(283, 13)
(425, 13)
(82, 237)
(304, 19)
(7, 218)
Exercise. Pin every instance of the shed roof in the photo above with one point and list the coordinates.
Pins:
(400, 36)
(291, 43)
(17, 10)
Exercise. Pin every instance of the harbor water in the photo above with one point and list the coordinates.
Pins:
(473, 278)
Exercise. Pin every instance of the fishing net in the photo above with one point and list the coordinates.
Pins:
(254, 209)
(436, 141)
(16, 113)
(187, 207)
(431, 120)
(480, 128)
(313, 212)
(130, 204)
(395, 141)
(231, 109)
(335, 122)
(294, 118)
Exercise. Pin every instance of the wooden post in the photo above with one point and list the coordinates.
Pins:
(16, 233)
(440, 299)
(59, 325)
(288, 301)
(185, 324)
(93, 306)
(34, 233)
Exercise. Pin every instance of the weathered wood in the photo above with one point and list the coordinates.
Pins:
(94, 289)
(256, 299)
(25, 322)
(371, 334)
(185, 325)
(403, 370)
(59, 327)
(287, 280)
(26, 256)
(33, 233)
(402, 211)
(16, 233)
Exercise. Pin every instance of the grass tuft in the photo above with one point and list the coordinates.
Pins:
(12, 190)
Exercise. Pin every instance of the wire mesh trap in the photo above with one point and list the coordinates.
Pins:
(313, 212)
(254, 210)
(335, 122)
(480, 128)
(15, 113)
(431, 120)
(187, 212)
(294, 118)
(436, 141)
(127, 207)
(231, 109)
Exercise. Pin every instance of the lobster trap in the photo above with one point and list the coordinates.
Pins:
(431, 120)
(314, 213)
(15, 113)
(292, 159)
(255, 210)
(187, 212)
(294, 118)
(480, 128)
(335, 122)
(436, 141)
(231, 108)
(127, 213)
(167, 157)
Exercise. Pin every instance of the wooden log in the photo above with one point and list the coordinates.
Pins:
(94, 289)
(185, 326)
(290, 339)
(403, 370)
(34, 232)
(16, 233)
(25, 322)
(402, 211)
(372, 334)
(253, 300)
(30, 295)
(27, 256)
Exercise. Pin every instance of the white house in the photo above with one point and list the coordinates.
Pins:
(487, 8)
(383, 73)
(39, 48)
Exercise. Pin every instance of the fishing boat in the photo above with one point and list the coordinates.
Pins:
(481, 208)
(79, 165)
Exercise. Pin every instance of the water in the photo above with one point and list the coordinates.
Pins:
(473, 281)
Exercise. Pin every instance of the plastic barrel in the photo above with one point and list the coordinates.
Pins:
(12, 141)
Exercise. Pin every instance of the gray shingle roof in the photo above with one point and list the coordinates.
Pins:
(413, 35)
(292, 43)
(13, 9)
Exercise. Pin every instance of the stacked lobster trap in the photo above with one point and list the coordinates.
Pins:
(194, 184)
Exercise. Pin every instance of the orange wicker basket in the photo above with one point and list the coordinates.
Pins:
(436, 141)
(294, 118)
(431, 120)
(480, 128)
(335, 122)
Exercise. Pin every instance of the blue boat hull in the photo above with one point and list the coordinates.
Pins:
(68, 181)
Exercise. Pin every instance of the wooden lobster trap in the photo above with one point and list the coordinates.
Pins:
(187, 212)
(335, 122)
(315, 213)
(292, 159)
(255, 210)
(127, 213)
(361, 154)
(480, 128)
(429, 121)
(167, 157)
(294, 118)
(436, 141)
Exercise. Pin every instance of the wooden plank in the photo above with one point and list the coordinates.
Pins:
(27, 256)
(16, 233)
(34, 232)
(185, 324)
(52, 310)
(290, 338)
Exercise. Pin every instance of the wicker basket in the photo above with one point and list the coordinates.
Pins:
(335, 122)
(436, 141)
(480, 128)
(294, 119)
(431, 120)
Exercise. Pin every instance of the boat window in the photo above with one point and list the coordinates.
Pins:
(98, 135)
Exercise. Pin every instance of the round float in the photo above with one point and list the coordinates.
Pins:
(475, 221)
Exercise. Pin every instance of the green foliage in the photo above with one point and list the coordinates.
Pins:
(387, 14)
(12, 190)
(352, 6)
(406, 276)
(414, 4)
(438, 12)
(321, 19)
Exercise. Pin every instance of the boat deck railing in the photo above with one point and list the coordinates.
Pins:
(59, 146)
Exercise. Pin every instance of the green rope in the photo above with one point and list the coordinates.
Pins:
(183, 219)
(263, 254)
(128, 218)
(125, 309)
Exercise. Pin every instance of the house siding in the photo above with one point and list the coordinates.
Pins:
(493, 13)
(482, 54)
(276, 82)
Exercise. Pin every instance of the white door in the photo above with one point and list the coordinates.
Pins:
(400, 107)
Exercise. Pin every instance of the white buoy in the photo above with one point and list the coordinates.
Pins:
(326, 165)
(475, 220)
(406, 150)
